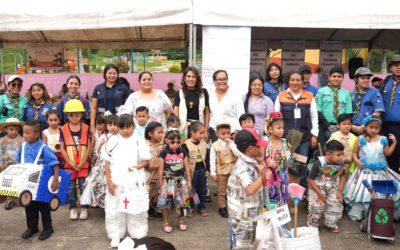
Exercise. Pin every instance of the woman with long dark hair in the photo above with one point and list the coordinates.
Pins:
(191, 103)
(256, 103)
(274, 81)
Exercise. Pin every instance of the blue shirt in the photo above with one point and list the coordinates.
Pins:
(30, 113)
(311, 89)
(371, 101)
(47, 158)
(271, 91)
(60, 107)
(139, 130)
(392, 114)
(110, 98)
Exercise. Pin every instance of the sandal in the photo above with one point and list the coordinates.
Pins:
(334, 229)
(167, 227)
(182, 225)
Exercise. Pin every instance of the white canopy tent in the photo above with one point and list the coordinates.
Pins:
(95, 24)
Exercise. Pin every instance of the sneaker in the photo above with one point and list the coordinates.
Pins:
(159, 216)
(223, 212)
(29, 233)
(73, 214)
(114, 243)
(45, 234)
(84, 214)
(151, 214)
(203, 212)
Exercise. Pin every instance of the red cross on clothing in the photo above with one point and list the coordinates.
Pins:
(126, 203)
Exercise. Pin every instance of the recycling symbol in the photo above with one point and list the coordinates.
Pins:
(381, 216)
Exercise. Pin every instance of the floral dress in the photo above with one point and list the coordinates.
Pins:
(356, 195)
(278, 184)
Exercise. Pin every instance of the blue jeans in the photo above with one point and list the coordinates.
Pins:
(199, 185)
(72, 195)
(303, 150)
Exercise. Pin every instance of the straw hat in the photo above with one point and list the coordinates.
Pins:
(10, 122)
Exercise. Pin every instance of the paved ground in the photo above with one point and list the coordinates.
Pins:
(203, 233)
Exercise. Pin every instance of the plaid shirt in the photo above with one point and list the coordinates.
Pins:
(8, 150)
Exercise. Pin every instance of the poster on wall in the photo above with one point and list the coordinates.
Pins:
(44, 57)
(292, 55)
(330, 55)
(227, 48)
(258, 61)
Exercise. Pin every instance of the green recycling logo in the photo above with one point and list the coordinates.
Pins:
(381, 216)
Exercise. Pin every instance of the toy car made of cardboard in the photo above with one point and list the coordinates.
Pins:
(29, 182)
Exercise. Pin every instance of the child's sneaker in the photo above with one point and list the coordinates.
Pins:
(114, 243)
(73, 214)
(84, 214)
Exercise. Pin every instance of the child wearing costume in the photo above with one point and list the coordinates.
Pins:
(36, 151)
(175, 181)
(327, 180)
(75, 141)
(369, 154)
(154, 134)
(125, 174)
(9, 146)
(222, 160)
(276, 157)
(95, 186)
(51, 135)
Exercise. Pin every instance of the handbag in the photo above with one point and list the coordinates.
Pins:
(135, 200)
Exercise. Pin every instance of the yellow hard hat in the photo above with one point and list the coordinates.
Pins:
(74, 105)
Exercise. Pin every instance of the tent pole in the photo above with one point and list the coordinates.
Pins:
(194, 45)
(190, 50)
(131, 61)
(2, 64)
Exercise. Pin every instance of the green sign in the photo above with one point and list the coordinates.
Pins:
(381, 216)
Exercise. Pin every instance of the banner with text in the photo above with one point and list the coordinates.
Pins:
(227, 48)
(257, 62)
(330, 55)
(292, 55)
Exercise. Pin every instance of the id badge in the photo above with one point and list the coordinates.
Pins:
(101, 110)
(297, 113)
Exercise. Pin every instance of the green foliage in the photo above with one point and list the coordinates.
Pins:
(175, 69)
(123, 66)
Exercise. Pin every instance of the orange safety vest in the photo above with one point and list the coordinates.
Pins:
(76, 152)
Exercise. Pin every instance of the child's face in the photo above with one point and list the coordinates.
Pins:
(373, 128)
(248, 123)
(53, 121)
(336, 79)
(174, 144)
(126, 132)
(253, 151)
(29, 134)
(199, 134)
(174, 125)
(277, 129)
(37, 93)
(101, 127)
(363, 81)
(334, 157)
(224, 133)
(112, 128)
(157, 134)
(142, 118)
(345, 126)
(12, 131)
(75, 117)
(73, 86)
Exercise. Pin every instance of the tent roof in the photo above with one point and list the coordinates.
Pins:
(94, 24)
(358, 24)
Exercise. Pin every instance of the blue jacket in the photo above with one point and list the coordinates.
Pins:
(271, 91)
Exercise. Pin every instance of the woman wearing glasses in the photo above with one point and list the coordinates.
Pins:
(224, 105)
(12, 104)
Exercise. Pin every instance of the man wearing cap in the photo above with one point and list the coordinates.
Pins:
(12, 104)
(366, 100)
(376, 82)
(244, 189)
(306, 73)
(391, 99)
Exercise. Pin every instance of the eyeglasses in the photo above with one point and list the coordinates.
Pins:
(175, 142)
(71, 115)
(221, 79)
(16, 84)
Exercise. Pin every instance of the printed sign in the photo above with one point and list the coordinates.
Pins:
(292, 55)
(257, 62)
(280, 215)
(330, 55)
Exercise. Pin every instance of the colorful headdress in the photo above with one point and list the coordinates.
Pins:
(371, 118)
(273, 116)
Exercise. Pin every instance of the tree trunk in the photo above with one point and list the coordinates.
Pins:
(383, 63)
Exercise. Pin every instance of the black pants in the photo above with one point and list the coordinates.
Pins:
(32, 215)
(394, 159)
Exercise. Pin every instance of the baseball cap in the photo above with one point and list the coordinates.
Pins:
(395, 59)
(248, 137)
(363, 71)
(13, 77)
(305, 68)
